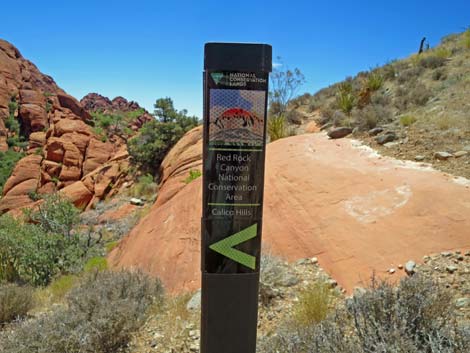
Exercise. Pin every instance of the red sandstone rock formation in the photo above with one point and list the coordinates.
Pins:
(333, 199)
(63, 153)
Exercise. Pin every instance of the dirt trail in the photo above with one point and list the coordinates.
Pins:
(337, 200)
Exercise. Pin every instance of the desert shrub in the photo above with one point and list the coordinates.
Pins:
(419, 94)
(407, 120)
(8, 160)
(15, 302)
(432, 61)
(371, 115)
(97, 263)
(410, 74)
(345, 98)
(294, 117)
(374, 81)
(439, 74)
(55, 215)
(313, 305)
(145, 187)
(389, 72)
(62, 285)
(273, 274)
(466, 39)
(277, 127)
(36, 252)
(101, 314)
(193, 175)
(111, 245)
(417, 316)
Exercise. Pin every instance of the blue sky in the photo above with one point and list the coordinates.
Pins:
(144, 50)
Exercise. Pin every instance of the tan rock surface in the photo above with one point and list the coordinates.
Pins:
(356, 211)
(78, 194)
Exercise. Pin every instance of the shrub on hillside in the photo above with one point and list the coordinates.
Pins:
(101, 314)
(15, 302)
(36, 252)
(156, 138)
(345, 98)
(374, 81)
(314, 304)
(407, 120)
(193, 175)
(409, 75)
(8, 160)
(466, 39)
(145, 187)
(432, 61)
(370, 116)
(418, 316)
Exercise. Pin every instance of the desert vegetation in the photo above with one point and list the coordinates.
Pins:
(156, 137)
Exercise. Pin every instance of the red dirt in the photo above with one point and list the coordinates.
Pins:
(337, 200)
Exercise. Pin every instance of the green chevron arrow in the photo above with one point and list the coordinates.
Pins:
(226, 246)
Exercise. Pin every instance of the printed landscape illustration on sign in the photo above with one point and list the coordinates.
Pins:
(236, 117)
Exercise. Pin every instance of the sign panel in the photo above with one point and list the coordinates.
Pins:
(234, 170)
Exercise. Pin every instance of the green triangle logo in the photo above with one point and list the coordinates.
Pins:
(226, 246)
(217, 77)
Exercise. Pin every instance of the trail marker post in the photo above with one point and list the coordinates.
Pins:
(236, 80)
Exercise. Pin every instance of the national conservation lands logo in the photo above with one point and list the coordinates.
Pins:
(236, 117)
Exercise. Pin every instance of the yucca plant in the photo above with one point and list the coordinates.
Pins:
(374, 81)
(345, 97)
(277, 127)
(466, 38)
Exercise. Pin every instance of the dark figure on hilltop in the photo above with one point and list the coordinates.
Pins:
(421, 46)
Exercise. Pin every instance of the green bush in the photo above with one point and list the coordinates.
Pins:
(193, 175)
(101, 314)
(36, 252)
(15, 302)
(418, 316)
(156, 138)
(8, 160)
(96, 264)
(407, 120)
(277, 127)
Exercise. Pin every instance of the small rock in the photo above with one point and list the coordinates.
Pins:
(289, 280)
(390, 144)
(339, 132)
(446, 254)
(442, 156)
(400, 267)
(387, 137)
(451, 269)
(136, 202)
(194, 334)
(195, 302)
(419, 158)
(410, 267)
(314, 260)
(462, 302)
(375, 131)
(332, 283)
(460, 154)
(391, 271)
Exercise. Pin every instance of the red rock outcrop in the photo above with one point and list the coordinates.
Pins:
(93, 102)
(63, 153)
(337, 200)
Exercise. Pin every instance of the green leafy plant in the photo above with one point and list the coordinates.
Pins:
(8, 160)
(193, 175)
(61, 286)
(156, 138)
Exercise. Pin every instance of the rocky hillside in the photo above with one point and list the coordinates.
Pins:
(52, 136)
(414, 109)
